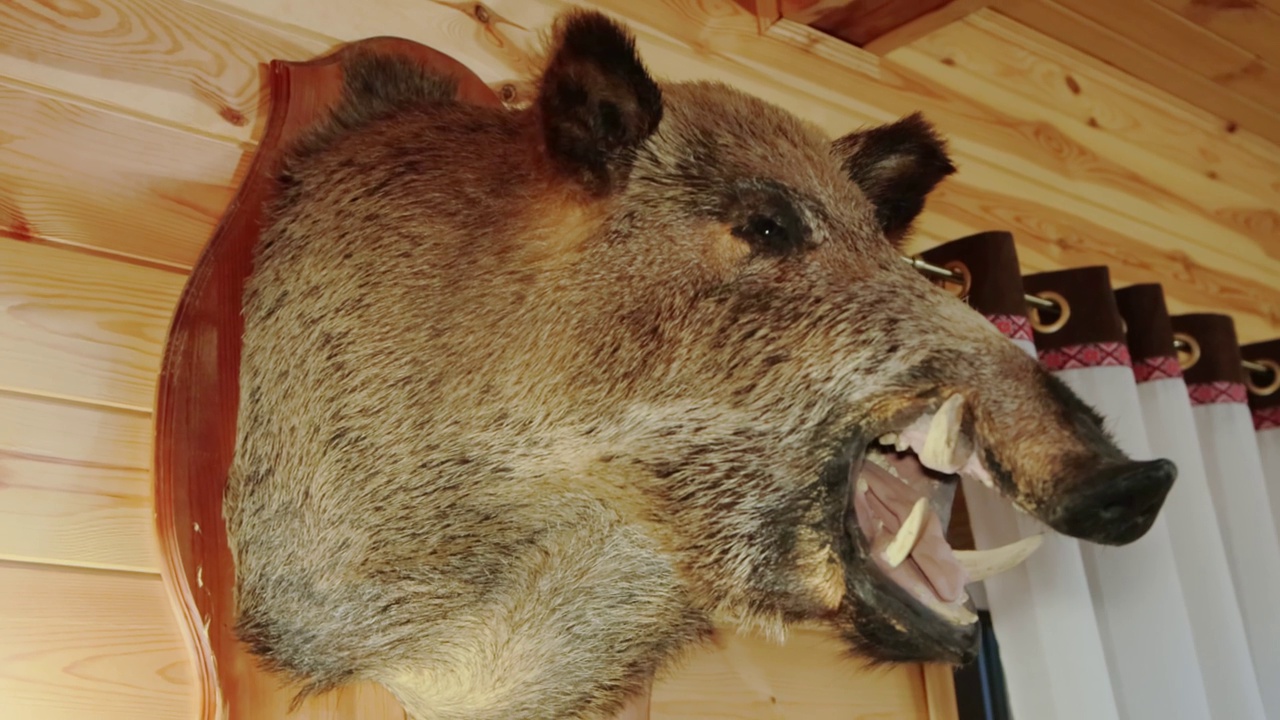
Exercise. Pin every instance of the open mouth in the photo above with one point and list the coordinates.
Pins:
(902, 497)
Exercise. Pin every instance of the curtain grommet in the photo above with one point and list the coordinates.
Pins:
(1191, 352)
(966, 278)
(1269, 388)
(1064, 313)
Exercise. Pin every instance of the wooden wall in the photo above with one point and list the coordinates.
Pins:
(125, 127)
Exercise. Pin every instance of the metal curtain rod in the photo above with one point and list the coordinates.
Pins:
(1044, 304)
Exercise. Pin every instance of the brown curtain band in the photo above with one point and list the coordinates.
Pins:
(1149, 332)
(989, 260)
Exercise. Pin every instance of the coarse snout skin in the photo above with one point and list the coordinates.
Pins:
(533, 399)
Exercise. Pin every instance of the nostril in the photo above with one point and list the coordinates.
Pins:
(1119, 504)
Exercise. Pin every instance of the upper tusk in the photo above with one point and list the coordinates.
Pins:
(941, 445)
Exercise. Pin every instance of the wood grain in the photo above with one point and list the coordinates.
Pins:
(924, 25)
(89, 177)
(78, 644)
(1159, 30)
(1251, 26)
(75, 485)
(77, 326)
(1154, 68)
(743, 677)
(201, 66)
(862, 22)
(1116, 108)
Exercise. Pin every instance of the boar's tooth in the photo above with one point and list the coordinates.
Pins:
(982, 564)
(889, 439)
(962, 615)
(901, 444)
(908, 535)
(943, 446)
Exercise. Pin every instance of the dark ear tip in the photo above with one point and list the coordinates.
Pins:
(596, 99)
(934, 146)
(588, 31)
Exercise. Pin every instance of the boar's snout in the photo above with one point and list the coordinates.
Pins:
(1120, 504)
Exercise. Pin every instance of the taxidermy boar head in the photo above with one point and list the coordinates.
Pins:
(533, 398)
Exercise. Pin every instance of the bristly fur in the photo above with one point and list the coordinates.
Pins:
(375, 87)
(533, 399)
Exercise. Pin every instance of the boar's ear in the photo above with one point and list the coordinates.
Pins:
(596, 100)
(896, 166)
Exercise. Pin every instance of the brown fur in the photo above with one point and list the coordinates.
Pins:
(530, 399)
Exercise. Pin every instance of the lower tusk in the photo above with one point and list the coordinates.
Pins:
(982, 564)
(908, 535)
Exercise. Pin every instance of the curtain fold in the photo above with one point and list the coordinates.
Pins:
(1224, 427)
(1135, 590)
(1264, 404)
(1050, 645)
(1184, 622)
(1216, 626)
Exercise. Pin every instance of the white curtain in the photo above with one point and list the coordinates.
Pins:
(1217, 628)
(1185, 622)
(1224, 428)
(1135, 589)
(1051, 649)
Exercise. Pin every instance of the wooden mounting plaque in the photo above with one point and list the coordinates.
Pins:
(197, 400)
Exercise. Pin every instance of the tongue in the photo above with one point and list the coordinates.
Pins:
(889, 501)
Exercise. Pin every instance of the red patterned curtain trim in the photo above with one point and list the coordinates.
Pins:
(1086, 356)
(1266, 418)
(1157, 368)
(1017, 327)
(1217, 392)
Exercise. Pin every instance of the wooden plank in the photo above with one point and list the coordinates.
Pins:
(1166, 33)
(178, 60)
(90, 177)
(767, 12)
(822, 46)
(77, 485)
(940, 692)
(862, 22)
(77, 643)
(1088, 36)
(806, 12)
(810, 676)
(922, 26)
(1088, 153)
(1253, 27)
(1017, 60)
(82, 327)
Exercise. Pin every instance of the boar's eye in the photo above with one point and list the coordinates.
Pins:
(763, 214)
(771, 234)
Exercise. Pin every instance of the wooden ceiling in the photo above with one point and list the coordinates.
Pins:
(1222, 56)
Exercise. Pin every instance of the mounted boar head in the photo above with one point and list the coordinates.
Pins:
(533, 398)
